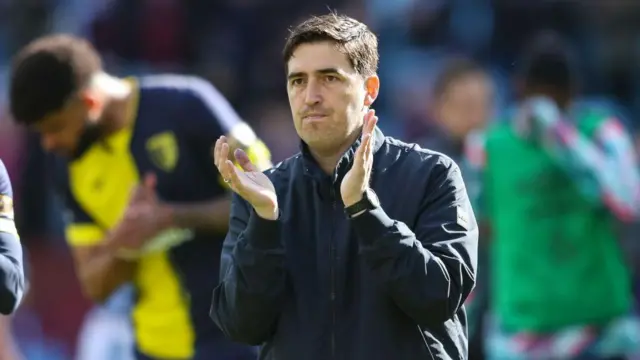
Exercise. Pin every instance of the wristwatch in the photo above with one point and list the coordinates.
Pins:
(369, 201)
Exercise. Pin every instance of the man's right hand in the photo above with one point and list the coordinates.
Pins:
(250, 183)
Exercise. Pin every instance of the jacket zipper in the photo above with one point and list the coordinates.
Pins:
(333, 276)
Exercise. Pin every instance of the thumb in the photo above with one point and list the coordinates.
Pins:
(243, 160)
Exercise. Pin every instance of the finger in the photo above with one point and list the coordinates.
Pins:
(214, 152)
(243, 160)
(218, 155)
(372, 123)
(233, 177)
(367, 150)
(150, 181)
(224, 152)
(369, 159)
(229, 172)
(358, 162)
(367, 120)
(225, 171)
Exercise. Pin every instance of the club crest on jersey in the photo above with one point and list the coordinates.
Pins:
(6, 207)
(163, 150)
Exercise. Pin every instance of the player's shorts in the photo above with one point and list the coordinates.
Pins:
(105, 335)
(619, 339)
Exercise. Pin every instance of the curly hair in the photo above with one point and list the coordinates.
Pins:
(47, 73)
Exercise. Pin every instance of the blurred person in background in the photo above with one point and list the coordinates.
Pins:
(145, 204)
(463, 98)
(462, 105)
(555, 184)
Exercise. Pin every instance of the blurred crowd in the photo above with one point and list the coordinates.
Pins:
(237, 46)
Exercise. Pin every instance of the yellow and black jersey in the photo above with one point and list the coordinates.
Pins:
(175, 122)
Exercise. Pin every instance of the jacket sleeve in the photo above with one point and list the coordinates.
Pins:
(247, 302)
(12, 279)
(428, 272)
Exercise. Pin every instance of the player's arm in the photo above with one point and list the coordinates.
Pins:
(602, 165)
(99, 270)
(210, 116)
(12, 281)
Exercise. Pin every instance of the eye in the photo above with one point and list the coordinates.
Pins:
(331, 78)
(296, 82)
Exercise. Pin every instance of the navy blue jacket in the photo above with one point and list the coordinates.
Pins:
(387, 284)
(12, 279)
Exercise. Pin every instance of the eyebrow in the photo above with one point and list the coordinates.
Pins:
(324, 71)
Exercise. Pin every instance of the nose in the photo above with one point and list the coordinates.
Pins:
(312, 94)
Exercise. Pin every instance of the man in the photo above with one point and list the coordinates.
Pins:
(555, 183)
(462, 104)
(145, 204)
(314, 266)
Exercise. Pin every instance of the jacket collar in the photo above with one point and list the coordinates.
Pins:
(311, 167)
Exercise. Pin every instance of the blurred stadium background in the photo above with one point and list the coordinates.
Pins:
(236, 44)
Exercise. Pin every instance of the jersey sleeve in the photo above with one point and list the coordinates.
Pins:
(12, 279)
(210, 116)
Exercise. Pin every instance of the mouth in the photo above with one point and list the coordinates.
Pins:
(314, 117)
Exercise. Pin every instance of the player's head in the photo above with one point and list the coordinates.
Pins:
(51, 93)
(331, 63)
(463, 97)
(547, 69)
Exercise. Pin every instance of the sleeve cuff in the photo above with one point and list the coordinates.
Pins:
(372, 225)
(262, 233)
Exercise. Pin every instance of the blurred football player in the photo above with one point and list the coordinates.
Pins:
(147, 207)
(556, 181)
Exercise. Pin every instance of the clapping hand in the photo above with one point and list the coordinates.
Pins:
(356, 181)
(249, 182)
(144, 218)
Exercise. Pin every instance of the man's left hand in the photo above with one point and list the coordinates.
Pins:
(356, 181)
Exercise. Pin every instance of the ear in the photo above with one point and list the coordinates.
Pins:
(372, 87)
(93, 102)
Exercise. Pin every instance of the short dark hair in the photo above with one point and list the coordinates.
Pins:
(547, 62)
(352, 37)
(46, 73)
(454, 70)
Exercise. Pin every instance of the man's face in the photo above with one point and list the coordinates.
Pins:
(61, 131)
(466, 105)
(327, 96)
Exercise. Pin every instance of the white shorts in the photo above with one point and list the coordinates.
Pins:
(105, 335)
